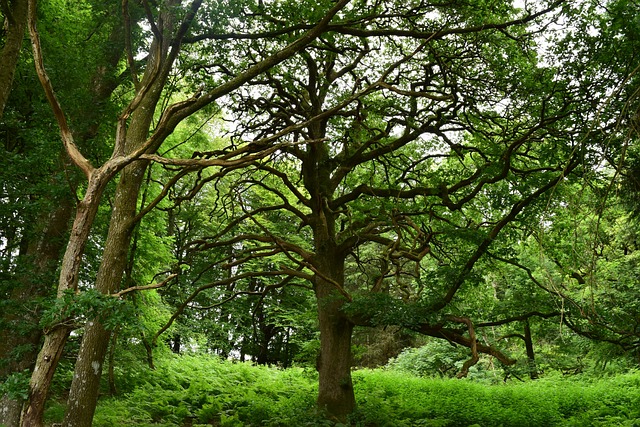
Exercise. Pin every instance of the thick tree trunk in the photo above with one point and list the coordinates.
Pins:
(335, 392)
(16, 24)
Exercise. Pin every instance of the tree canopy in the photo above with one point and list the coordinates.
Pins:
(262, 179)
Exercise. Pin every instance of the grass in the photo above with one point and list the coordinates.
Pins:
(200, 390)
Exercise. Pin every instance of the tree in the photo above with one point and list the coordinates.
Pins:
(14, 15)
(134, 146)
(39, 183)
(395, 141)
(424, 147)
(584, 250)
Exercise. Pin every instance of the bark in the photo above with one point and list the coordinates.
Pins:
(473, 345)
(46, 246)
(335, 392)
(531, 357)
(42, 376)
(10, 410)
(83, 395)
(113, 390)
(56, 337)
(42, 257)
(16, 23)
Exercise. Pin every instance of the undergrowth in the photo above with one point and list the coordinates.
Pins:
(201, 390)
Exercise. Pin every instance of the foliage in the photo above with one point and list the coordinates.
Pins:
(423, 163)
(91, 304)
(16, 385)
(436, 358)
(207, 390)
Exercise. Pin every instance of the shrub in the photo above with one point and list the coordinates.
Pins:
(202, 389)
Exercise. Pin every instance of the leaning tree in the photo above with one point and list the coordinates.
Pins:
(139, 130)
(38, 181)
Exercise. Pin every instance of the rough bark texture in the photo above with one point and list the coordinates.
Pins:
(83, 395)
(42, 375)
(335, 392)
(56, 338)
(10, 411)
(16, 23)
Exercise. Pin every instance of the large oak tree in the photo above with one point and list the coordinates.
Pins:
(429, 133)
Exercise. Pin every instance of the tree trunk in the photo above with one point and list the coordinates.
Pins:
(10, 411)
(41, 260)
(85, 386)
(335, 392)
(56, 338)
(16, 24)
(83, 395)
(531, 357)
(113, 390)
(52, 240)
(42, 376)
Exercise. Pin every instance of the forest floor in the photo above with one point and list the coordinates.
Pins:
(202, 390)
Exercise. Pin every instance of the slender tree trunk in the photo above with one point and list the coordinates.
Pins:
(46, 246)
(85, 386)
(113, 390)
(531, 357)
(42, 258)
(56, 338)
(16, 24)
(83, 395)
(42, 375)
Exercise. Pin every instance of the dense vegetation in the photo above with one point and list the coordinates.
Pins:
(201, 390)
(442, 189)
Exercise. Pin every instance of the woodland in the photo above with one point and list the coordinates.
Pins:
(338, 212)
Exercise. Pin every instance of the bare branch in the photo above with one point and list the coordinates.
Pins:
(152, 23)
(146, 287)
(473, 344)
(67, 137)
